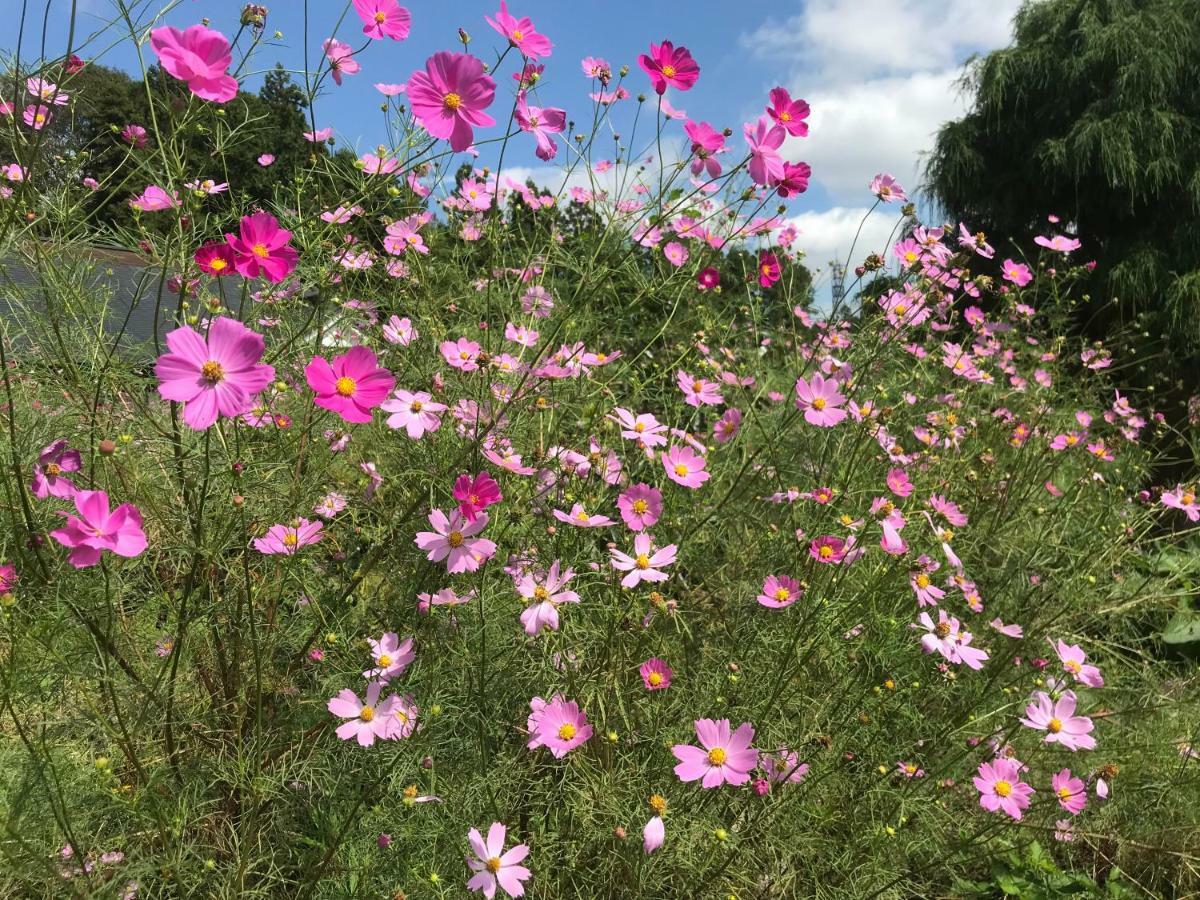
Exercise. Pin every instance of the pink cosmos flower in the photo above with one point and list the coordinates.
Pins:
(287, 539)
(594, 67)
(462, 354)
(475, 494)
(351, 385)
(794, 180)
(1058, 720)
(521, 33)
(641, 506)
(262, 249)
(154, 199)
(8, 579)
(1000, 787)
(48, 472)
(697, 391)
(134, 135)
(200, 56)
(1012, 630)
(653, 835)
(1018, 273)
(96, 529)
(265, 159)
(707, 142)
(1183, 498)
(450, 96)
(887, 189)
(414, 411)
(369, 719)
(676, 253)
(725, 429)
(581, 518)
(656, 674)
(721, 758)
(685, 467)
(541, 122)
(779, 591)
(898, 483)
(828, 549)
(769, 270)
(1074, 661)
(492, 866)
(392, 656)
(400, 331)
(383, 18)
(643, 428)
(820, 400)
(1070, 792)
(341, 59)
(37, 117)
(784, 765)
(454, 540)
(559, 725)
(215, 258)
(764, 140)
(669, 66)
(788, 112)
(218, 374)
(645, 562)
(547, 592)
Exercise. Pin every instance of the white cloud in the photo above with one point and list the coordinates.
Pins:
(829, 235)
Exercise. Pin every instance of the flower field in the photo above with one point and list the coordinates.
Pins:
(446, 533)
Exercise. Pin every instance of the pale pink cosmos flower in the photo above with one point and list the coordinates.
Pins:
(1070, 792)
(645, 562)
(330, 505)
(449, 97)
(368, 719)
(547, 592)
(383, 18)
(594, 67)
(49, 479)
(390, 90)
(643, 428)
(1058, 720)
(391, 655)
(1074, 661)
(669, 66)
(779, 591)
(581, 518)
(454, 540)
(676, 253)
(898, 483)
(521, 33)
(641, 506)
(1183, 498)
(265, 159)
(462, 354)
(784, 766)
(558, 725)
(656, 674)
(948, 638)
(654, 834)
(707, 142)
(698, 391)
(46, 91)
(96, 529)
(1000, 787)
(341, 59)
(788, 113)
(200, 56)
(685, 467)
(218, 374)
(37, 117)
(520, 334)
(444, 597)
(820, 401)
(722, 757)
(287, 539)
(1012, 631)
(400, 331)
(404, 235)
(154, 199)
(350, 385)
(414, 411)
(887, 189)
(493, 867)
(262, 248)
(541, 122)
(764, 139)
(725, 429)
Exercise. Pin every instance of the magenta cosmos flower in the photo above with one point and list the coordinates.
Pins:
(200, 56)
(769, 270)
(644, 564)
(788, 113)
(559, 725)
(779, 591)
(475, 494)
(656, 674)
(492, 866)
(820, 401)
(351, 385)
(96, 529)
(521, 33)
(215, 375)
(391, 655)
(721, 758)
(640, 506)
(450, 96)
(383, 18)
(49, 471)
(1000, 787)
(707, 142)
(287, 539)
(261, 250)
(414, 411)
(369, 719)
(684, 466)
(453, 540)
(669, 66)
(764, 140)
(1058, 720)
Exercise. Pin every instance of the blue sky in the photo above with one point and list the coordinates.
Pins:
(879, 73)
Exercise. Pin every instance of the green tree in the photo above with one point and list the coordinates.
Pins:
(1092, 114)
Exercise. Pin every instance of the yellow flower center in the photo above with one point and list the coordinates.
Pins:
(640, 507)
(923, 581)
(639, 427)
(217, 264)
(452, 101)
(716, 756)
(942, 629)
(260, 250)
(493, 865)
(669, 71)
(1072, 666)
(825, 552)
(367, 713)
(540, 593)
(1188, 499)
(655, 679)
(1002, 788)
(212, 371)
(818, 403)
(291, 539)
(658, 803)
(380, 17)
(566, 731)
(345, 386)
(384, 660)
(454, 539)
(1064, 793)
(785, 117)
(53, 469)
(416, 406)
(642, 561)
(581, 516)
(1054, 726)
(681, 470)
(782, 593)
(697, 386)
(518, 35)
(766, 269)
